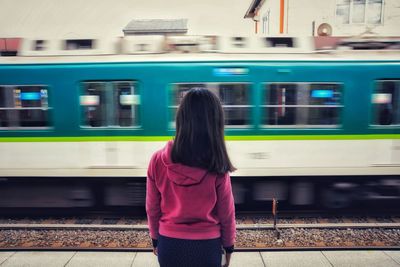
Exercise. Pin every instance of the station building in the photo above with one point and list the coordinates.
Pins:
(325, 18)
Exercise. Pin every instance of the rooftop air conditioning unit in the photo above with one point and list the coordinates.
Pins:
(142, 44)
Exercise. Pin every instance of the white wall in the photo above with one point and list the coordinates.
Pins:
(299, 15)
(95, 18)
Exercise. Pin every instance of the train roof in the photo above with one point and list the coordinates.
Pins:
(182, 48)
(208, 57)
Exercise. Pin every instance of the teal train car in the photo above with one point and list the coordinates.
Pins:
(310, 129)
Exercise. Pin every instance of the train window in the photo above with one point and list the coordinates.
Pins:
(94, 104)
(24, 106)
(302, 104)
(279, 42)
(180, 90)
(110, 104)
(176, 95)
(126, 97)
(78, 44)
(39, 45)
(235, 99)
(239, 42)
(386, 103)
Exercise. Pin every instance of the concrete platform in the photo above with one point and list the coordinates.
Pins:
(248, 259)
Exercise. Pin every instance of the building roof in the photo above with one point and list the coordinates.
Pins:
(255, 5)
(153, 26)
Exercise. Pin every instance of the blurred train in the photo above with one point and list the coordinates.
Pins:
(80, 118)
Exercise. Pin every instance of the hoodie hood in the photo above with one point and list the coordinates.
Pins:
(178, 173)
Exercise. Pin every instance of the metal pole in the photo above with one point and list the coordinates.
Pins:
(275, 214)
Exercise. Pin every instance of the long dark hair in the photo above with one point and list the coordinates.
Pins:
(199, 140)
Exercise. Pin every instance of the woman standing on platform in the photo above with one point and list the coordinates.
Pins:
(189, 201)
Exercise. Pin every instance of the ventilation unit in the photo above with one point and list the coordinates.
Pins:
(324, 30)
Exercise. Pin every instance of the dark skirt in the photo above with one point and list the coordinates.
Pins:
(174, 252)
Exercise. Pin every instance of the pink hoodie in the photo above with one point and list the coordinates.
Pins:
(187, 202)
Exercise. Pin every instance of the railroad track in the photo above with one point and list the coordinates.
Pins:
(97, 234)
(139, 227)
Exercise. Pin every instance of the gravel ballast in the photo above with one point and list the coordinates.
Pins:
(297, 237)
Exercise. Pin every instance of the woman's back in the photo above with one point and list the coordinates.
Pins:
(192, 200)
(189, 201)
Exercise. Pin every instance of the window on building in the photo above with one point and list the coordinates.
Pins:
(302, 105)
(386, 103)
(110, 104)
(235, 99)
(24, 106)
(343, 11)
(375, 8)
(359, 11)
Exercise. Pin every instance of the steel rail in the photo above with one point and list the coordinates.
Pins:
(143, 227)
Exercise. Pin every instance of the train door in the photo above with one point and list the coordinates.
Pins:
(395, 152)
(111, 107)
(385, 116)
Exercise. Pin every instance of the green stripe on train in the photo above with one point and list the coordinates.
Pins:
(229, 138)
